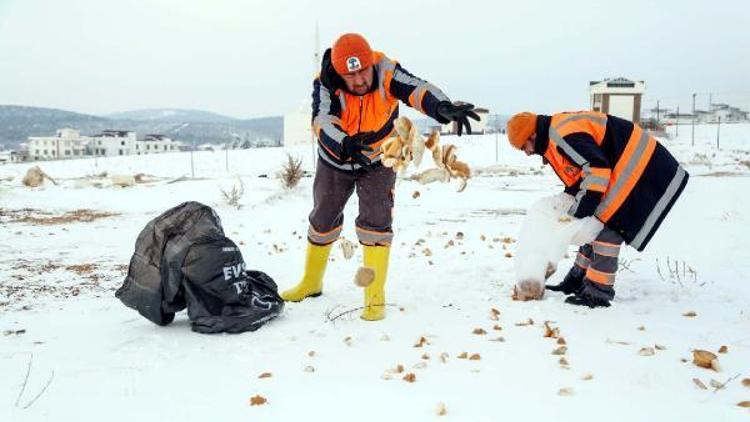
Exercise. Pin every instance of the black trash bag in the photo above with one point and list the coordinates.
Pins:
(182, 259)
(222, 296)
(153, 285)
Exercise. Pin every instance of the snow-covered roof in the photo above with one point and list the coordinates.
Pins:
(617, 85)
(156, 137)
(116, 133)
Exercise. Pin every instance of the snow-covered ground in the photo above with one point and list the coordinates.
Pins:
(98, 360)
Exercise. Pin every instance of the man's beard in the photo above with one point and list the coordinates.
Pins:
(360, 89)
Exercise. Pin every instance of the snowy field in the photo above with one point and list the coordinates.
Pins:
(89, 358)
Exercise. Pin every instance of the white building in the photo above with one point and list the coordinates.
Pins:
(298, 126)
(111, 143)
(477, 128)
(619, 97)
(725, 113)
(67, 143)
(154, 144)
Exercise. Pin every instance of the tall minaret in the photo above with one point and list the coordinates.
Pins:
(316, 68)
(316, 56)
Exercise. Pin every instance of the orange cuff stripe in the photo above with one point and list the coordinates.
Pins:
(600, 277)
(325, 233)
(600, 242)
(372, 231)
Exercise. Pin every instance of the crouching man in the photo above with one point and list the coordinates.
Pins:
(616, 172)
(355, 102)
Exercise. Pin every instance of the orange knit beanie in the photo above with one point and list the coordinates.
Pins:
(350, 53)
(520, 127)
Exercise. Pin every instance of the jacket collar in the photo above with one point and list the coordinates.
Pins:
(542, 134)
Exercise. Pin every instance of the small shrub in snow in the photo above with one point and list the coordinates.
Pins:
(233, 196)
(291, 172)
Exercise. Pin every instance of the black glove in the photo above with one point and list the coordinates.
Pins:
(354, 145)
(458, 113)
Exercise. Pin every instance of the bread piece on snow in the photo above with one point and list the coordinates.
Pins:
(528, 290)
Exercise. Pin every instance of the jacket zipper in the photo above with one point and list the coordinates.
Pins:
(359, 124)
(359, 127)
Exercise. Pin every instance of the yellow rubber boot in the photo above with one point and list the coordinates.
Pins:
(312, 281)
(376, 257)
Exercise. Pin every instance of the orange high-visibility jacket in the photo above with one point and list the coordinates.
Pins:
(615, 170)
(337, 113)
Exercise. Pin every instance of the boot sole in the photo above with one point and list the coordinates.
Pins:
(308, 296)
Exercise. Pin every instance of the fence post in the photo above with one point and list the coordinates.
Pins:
(692, 136)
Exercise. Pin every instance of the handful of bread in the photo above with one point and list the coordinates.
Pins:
(409, 146)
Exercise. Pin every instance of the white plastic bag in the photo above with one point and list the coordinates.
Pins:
(546, 234)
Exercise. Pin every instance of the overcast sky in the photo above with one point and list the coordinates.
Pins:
(248, 58)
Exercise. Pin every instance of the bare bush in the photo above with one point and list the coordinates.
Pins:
(677, 272)
(233, 197)
(291, 172)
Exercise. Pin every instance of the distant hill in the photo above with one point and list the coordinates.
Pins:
(19, 122)
(171, 115)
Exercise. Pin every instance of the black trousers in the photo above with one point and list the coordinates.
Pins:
(332, 189)
(599, 258)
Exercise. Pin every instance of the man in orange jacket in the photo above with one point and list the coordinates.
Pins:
(355, 102)
(618, 173)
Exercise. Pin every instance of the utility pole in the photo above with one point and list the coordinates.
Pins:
(677, 123)
(718, 130)
(226, 157)
(192, 163)
(692, 136)
(497, 138)
(657, 112)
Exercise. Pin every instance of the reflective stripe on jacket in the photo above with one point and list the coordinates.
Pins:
(615, 169)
